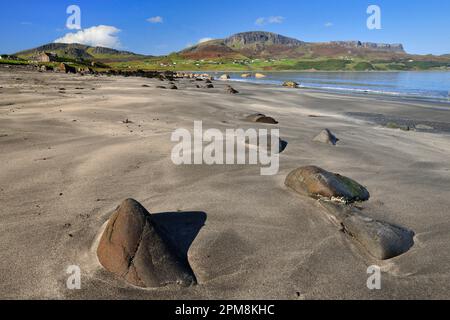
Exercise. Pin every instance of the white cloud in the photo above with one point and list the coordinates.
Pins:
(204, 40)
(98, 36)
(329, 24)
(262, 21)
(277, 19)
(156, 19)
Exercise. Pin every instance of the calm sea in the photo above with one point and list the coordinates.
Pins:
(426, 85)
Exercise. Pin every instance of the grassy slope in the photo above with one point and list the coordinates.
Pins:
(175, 62)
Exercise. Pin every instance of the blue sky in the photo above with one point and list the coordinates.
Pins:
(422, 26)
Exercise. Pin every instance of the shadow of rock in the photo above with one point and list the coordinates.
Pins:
(179, 230)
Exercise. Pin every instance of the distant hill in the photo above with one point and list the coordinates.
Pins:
(82, 52)
(259, 44)
(254, 51)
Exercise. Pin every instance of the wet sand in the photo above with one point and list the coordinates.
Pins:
(68, 160)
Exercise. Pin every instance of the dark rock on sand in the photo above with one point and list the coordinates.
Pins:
(319, 183)
(267, 145)
(208, 81)
(209, 86)
(381, 239)
(132, 248)
(231, 90)
(161, 87)
(145, 86)
(261, 118)
(63, 67)
(326, 137)
(173, 87)
(290, 84)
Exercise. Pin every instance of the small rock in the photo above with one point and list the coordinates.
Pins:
(260, 75)
(231, 90)
(261, 118)
(326, 137)
(319, 183)
(174, 87)
(224, 77)
(290, 84)
(281, 145)
(246, 75)
(209, 86)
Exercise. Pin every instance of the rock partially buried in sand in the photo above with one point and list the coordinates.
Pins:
(281, 145)
(231, 90)
(132, 249)
(381, 239)
(290, 84)
(326, 137)
(261, 118)
(319, 183)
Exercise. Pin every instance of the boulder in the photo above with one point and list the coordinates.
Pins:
(246, 75)
(290, 84)
(231, 90)
(259, 75)
(224, 77)
(319, 183)
(261, 118)
(133, 249)
(381, 239)
(326, 137)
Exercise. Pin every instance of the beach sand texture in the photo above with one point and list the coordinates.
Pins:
(68, 160)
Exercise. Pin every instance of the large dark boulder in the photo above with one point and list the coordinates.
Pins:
(132, 248)
(319, 183)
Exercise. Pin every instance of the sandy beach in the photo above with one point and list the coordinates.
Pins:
(68, 160)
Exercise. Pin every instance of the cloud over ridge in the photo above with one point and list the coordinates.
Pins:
(97, 36)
